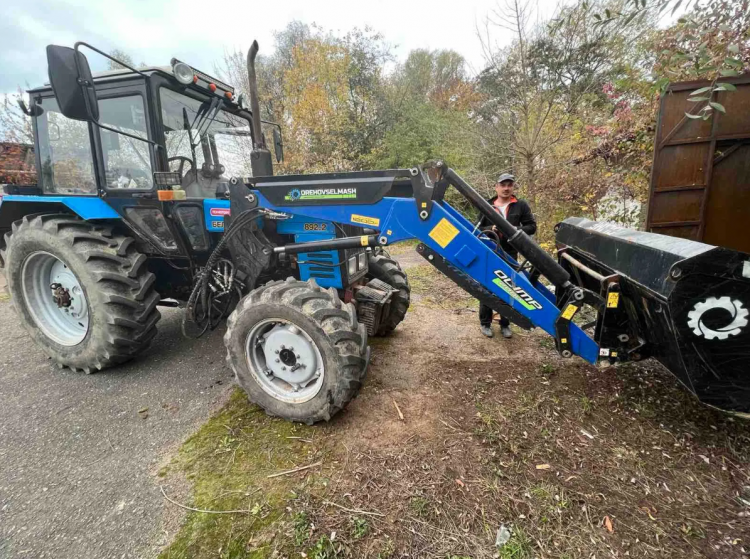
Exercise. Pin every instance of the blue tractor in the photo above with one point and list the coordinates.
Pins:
(156, 187)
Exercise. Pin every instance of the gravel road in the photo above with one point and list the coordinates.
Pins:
(78, 453)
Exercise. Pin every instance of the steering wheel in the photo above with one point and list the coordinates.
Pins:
(182, 159)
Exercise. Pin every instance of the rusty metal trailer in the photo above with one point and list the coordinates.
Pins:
(700, 182)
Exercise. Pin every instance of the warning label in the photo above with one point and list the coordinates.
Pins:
(443, 233)
(364, 220)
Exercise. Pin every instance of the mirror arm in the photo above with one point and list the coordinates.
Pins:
(104, 54)
(33, 111)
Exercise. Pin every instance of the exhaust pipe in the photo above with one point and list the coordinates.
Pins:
(260, 159)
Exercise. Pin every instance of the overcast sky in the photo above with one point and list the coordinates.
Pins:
(199, 32)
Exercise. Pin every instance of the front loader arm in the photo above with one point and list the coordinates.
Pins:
(449, 242)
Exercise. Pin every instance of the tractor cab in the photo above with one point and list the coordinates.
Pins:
(149, 122)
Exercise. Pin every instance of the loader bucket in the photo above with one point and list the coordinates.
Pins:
(688, 303)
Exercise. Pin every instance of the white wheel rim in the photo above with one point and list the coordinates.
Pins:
(66, 324)
(284, 361)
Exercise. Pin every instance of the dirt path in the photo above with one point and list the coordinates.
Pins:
(455, 435)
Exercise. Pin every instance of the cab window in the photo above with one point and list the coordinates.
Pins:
(67, 161)
(127, 161)
(206, 145)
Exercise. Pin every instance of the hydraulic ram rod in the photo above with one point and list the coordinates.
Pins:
(332, 244)
(516, 237)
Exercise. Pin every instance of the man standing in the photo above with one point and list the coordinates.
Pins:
(518, 213)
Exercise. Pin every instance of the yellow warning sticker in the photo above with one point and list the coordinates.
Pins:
(563, 340)
(363, 240)
(364, 220)
(569, 311)
(613, 354)
(613, 299)
(443, 233)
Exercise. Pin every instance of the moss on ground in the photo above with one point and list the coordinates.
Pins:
(228, 462)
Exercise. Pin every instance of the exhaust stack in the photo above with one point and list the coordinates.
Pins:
(261, 162)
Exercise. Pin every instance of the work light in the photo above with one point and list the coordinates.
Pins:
(183, 73)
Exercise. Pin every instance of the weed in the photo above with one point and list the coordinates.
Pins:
(419, 506)
(587, 405)
(323, 549)
(387, 551)
(518, 547)
(547, 369)
(301, 528)
(359, 527)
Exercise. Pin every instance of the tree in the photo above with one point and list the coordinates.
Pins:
(123, 57)
(14, 125)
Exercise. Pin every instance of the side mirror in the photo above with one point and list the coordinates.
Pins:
(278, 145)
(70, 77)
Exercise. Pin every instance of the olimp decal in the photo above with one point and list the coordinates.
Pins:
(506, 284)
(300, 195)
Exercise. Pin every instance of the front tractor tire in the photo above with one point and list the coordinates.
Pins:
(297, 350)
(388, 270)
(82, 292)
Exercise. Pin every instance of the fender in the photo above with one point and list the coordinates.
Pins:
(15, 206)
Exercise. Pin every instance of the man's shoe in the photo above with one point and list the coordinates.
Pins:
(487, 331)
(505, 330)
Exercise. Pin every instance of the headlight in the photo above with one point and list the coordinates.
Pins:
(362, 260)
(183, 73)
(352, 265)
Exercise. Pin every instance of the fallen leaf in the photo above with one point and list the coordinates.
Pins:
(608, 524)
(143, 410)
(461, 483)
(543, 466)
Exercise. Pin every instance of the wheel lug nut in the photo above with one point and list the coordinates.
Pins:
(283, 368)
(277, 360)
(277, 351)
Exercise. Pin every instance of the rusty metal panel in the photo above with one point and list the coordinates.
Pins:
(675, 125)
(700, 180)
(683, 231)
(728, 207)
(736, 121)
(682, 165)
(676, 206)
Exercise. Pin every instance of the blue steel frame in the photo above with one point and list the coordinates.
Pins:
(397, 220)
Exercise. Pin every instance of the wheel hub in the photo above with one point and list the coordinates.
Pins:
(285, 361)
(55, 298)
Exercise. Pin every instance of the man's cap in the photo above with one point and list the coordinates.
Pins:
(506, 177)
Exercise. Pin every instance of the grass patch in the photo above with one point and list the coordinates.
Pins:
(228, 461)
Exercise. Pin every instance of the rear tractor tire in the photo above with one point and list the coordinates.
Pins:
(83, 293)
(388, 270)
(297, 350)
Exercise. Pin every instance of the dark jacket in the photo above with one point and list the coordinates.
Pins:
(519, 215)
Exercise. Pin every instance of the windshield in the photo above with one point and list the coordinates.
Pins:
(207, 144)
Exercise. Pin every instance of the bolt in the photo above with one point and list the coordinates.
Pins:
(283, 368)
(676, 273)
(282, 347)
(290, 348)
(277, 351)
(423, 214)
(430, 257)
(277, 361)
(296, 355)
